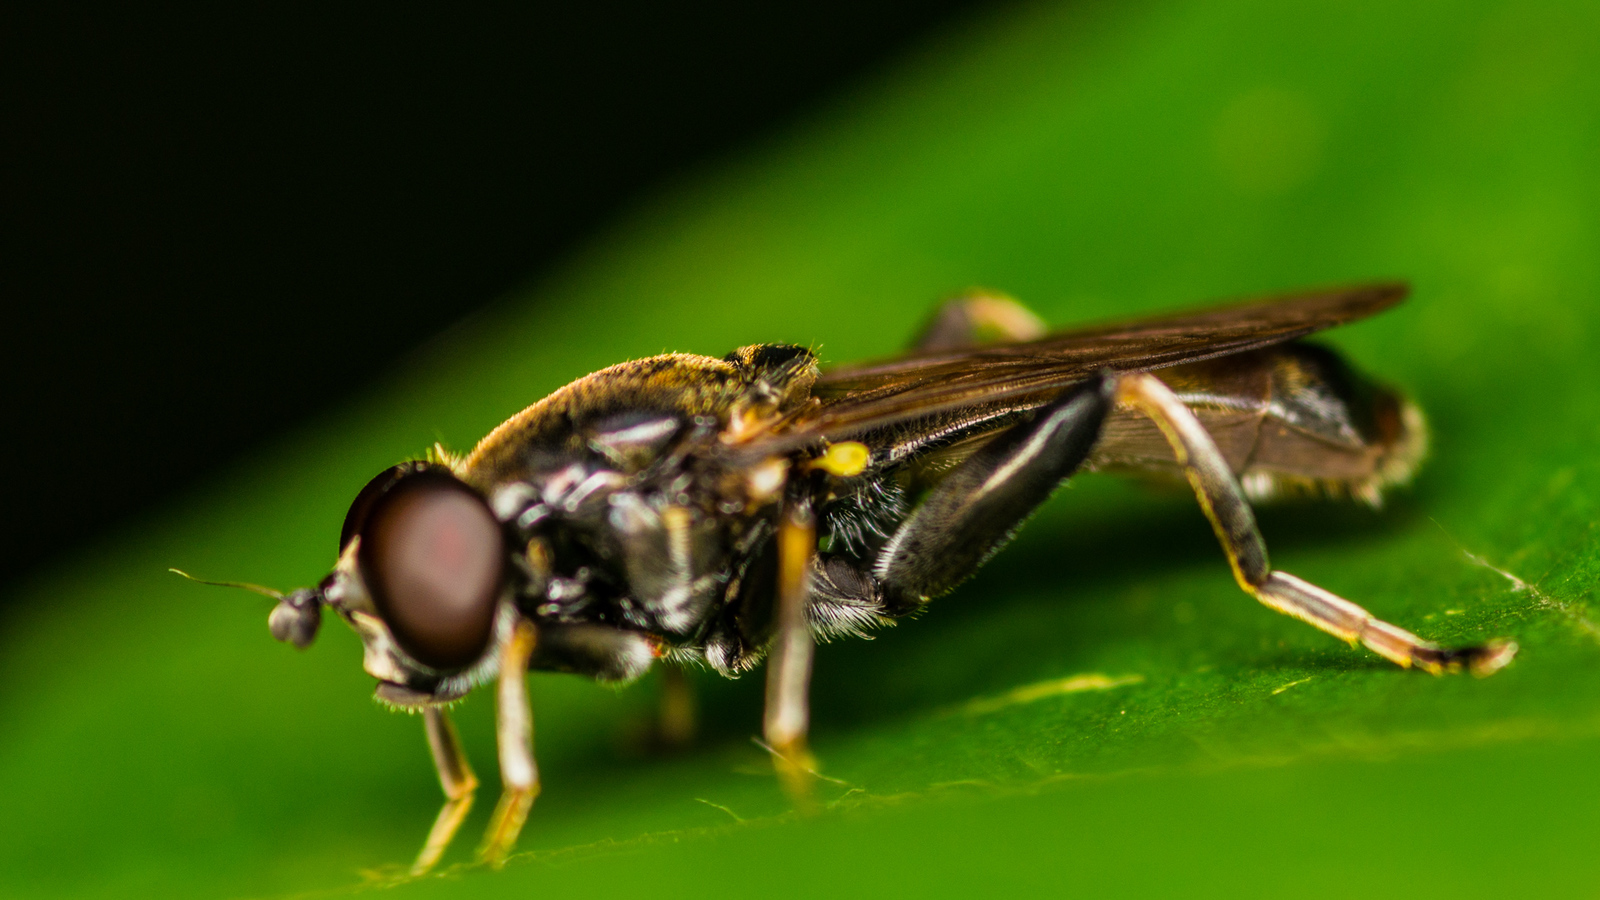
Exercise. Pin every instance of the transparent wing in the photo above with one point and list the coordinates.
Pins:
(947, 389)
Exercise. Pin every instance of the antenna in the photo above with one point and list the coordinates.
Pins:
(263, 591)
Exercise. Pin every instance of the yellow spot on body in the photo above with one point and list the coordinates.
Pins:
(1279, 690)
(844, 459)
(1454, 612)
(1030, 693)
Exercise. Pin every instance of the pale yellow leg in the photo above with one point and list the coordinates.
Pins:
(1235, 525)
(514, 732)
(455, 776)
(788, 717)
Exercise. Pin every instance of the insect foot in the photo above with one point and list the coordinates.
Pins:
(1481, 661)
(1223, 502)
(797, 772)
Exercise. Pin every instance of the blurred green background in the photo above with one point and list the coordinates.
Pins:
(1093, 160)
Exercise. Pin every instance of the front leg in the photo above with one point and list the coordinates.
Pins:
(514, 733)
(455, 776)
(788, 715)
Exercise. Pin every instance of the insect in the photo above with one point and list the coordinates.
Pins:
(690, 510)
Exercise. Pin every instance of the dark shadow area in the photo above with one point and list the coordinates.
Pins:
(222, 219)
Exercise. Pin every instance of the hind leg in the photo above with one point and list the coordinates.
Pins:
(974, 511)
(1235, 524)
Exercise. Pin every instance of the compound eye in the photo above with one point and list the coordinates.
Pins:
(361, 507)
(434, 560)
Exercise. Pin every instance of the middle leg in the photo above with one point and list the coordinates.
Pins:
(968, 516)
(787, 718)
(675, 716)
(975, 509)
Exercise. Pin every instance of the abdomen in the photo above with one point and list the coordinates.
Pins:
(1292, 419)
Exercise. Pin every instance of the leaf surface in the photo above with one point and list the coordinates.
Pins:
(1099, 710)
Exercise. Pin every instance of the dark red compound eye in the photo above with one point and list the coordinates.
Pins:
(434, 558)
(362, 505)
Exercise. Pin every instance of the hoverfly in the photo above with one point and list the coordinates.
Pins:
(718, 512)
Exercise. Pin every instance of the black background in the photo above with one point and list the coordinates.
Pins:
(220, 221)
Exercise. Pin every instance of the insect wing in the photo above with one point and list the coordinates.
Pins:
(990, 380)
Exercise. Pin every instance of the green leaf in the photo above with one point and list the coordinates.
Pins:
(1100, 709)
